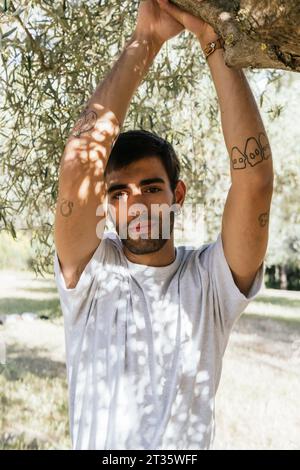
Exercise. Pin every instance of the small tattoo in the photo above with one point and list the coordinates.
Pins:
(253, 151)
(263, 142)
(238, 159)
(66, 208)
(85, 123)
(256, 150)
(263, 219)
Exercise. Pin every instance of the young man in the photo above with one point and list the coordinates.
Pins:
(147, 323)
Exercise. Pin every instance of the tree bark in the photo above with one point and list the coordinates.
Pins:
(257, 33)
(283, 277)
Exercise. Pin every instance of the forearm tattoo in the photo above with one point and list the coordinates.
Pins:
(256, 151)
(66, 208)
(85, 123)
(263, 219)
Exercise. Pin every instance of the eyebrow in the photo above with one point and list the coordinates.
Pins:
(143, 182)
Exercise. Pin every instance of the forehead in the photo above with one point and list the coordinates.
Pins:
(148, 167)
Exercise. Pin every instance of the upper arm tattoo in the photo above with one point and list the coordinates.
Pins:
(255, 151)
(66, 208)
(263, 219)
(85, 123)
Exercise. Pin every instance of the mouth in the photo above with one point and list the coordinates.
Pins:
(144, 227)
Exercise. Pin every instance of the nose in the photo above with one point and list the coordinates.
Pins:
(136, 206)
(135, 196)
(136, 190)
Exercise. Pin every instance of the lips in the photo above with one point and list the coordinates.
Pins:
(143, 226)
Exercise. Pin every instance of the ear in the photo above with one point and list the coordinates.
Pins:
(180, 192)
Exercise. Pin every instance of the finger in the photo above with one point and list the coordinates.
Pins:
(171, 9)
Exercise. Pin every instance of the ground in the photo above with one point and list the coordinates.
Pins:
(257, 402)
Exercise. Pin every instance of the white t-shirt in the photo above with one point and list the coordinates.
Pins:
(144, 346)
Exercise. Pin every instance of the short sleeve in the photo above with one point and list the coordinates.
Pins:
(228, 301)
(76, 301)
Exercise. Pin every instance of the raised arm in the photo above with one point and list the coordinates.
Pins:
(81, 181)
(245, 220)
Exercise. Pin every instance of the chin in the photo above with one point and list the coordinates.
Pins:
(143, 246)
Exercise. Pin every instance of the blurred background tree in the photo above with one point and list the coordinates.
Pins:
(53, 55)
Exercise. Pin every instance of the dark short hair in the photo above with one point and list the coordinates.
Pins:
(134, 145)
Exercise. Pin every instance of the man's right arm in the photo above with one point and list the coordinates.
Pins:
(81, 181)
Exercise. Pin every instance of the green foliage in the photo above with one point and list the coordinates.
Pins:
(53, 55)
(284, 246)
(16, 254)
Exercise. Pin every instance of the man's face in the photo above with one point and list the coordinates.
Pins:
(141, 205)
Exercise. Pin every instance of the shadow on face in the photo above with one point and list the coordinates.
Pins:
(141, 204)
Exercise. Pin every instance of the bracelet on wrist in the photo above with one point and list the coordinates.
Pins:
(211, 46)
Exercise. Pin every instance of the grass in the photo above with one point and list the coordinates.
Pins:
(34, 404)
(281, 301)
(258, 397)
(47, 307)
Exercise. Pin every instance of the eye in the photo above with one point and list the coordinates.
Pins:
(116, 196)
(153, 189)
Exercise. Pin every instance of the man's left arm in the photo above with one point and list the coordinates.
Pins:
(246, 213)
(245, 222)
